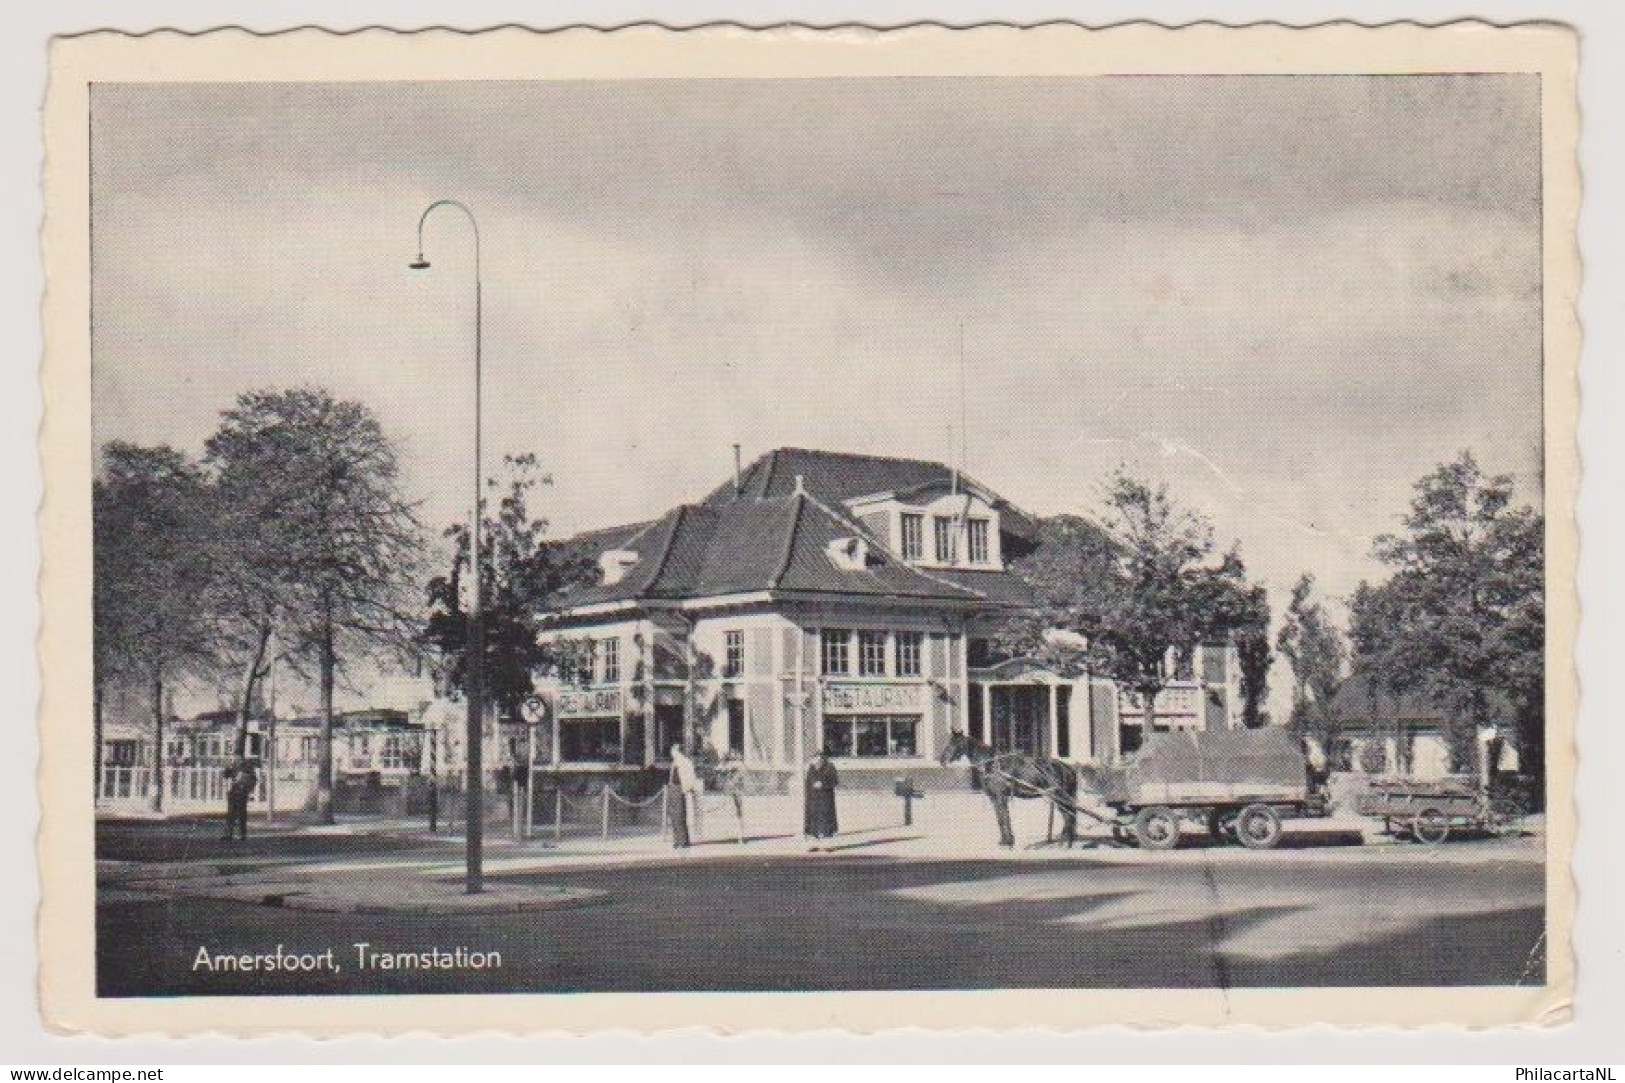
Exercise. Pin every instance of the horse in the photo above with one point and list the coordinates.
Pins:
(1003, 775)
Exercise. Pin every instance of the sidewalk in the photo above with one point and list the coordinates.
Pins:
(946, 827)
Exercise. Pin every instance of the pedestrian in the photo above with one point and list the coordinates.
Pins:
(820, 793)
(684, 789)
(731, 781)
(242, 779)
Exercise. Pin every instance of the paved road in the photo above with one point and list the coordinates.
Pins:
(1395, 917)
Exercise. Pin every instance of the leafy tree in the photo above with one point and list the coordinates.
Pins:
(322, 548)
(1377, 642)
(522, 573)
(1142, 587)
(153, 559)
(1254, 655)
(1314, 647)
(1467, 601)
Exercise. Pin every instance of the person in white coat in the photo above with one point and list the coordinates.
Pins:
(686, 778)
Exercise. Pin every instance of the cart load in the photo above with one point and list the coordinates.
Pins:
(1240, 783)
(1428, 810)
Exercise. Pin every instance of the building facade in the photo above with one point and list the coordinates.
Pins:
(830, 601)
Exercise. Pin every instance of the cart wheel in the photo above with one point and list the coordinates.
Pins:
(1431, 826)
(1156, 828)
(1258, 827)
(1220, 825)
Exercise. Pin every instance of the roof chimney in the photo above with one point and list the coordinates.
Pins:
(739, 485)
(801, 487)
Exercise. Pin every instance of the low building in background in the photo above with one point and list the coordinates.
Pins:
(1385, 733)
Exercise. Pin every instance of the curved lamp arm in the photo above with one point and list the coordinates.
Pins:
(421, 264)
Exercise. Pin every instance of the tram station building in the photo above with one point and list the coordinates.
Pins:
(830, 600)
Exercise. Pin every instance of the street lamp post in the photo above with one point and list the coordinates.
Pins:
(474, 664)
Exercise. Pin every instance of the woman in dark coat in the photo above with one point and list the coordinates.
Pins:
(821, 783)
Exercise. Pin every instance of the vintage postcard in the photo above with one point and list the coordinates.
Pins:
(809, 529)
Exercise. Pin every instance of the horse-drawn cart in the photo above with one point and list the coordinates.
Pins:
(1428, 811)
(1240, 784)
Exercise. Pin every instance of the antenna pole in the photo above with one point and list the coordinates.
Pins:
(964, 423)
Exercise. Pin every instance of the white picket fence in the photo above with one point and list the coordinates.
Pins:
(191, 789)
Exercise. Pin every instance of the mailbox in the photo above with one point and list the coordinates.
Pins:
(908, 791)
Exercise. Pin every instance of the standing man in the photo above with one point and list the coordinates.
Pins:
(685, 780)
(821, 782)
(242, 778)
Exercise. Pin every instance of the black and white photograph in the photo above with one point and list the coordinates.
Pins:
(854, 534)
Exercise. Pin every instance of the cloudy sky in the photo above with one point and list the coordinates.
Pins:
(1288, 297)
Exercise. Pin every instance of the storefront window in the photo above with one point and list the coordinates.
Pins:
(872, 736)
(590, 740)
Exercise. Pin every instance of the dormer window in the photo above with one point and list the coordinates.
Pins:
(849, 554)
(615, 563)
(943, 529)
(913, 546)
(976, 541)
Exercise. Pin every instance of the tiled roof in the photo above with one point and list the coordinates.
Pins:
(1352, 705)
(770, 537)
(837, 477)
(777, 544)
(996, 586)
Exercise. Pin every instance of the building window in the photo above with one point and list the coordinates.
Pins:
(872, 654)
(835, 643)
(590, 740)
(736, 726)
(913, 535)
(872, 736)
(976, 541)
(908, 653)
(944, 530)
(122, 753)
(609, 659)
(733, 654)
(400, 751)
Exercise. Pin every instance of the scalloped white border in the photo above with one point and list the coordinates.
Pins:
(648, 51)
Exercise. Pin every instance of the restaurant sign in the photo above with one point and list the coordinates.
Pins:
(590, 702)
(876, 698)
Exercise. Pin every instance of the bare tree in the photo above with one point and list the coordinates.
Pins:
(323, 549)
(153, 560)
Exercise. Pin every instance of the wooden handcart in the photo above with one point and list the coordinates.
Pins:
(1430, 811)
